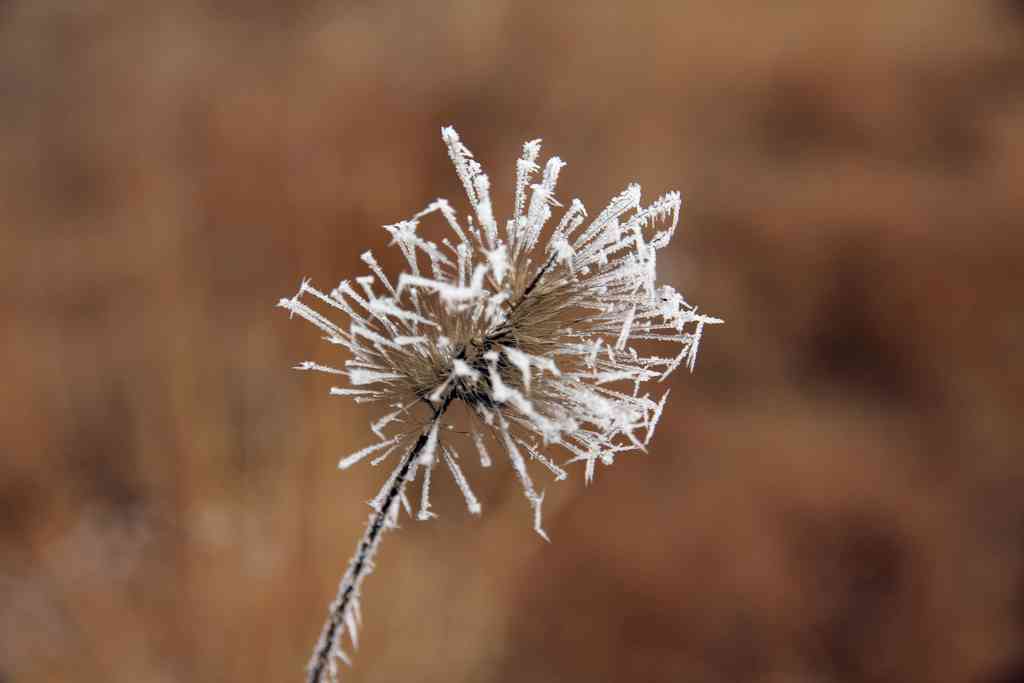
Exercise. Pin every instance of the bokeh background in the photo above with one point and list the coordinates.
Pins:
(834, 494)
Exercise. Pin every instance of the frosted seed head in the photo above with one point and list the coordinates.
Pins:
(547, 331)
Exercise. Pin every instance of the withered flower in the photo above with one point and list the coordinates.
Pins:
(546, 334)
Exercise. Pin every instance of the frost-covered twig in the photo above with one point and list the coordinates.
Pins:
(545, 331)
(343, 615)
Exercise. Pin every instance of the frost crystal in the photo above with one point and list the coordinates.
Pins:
(545, 331)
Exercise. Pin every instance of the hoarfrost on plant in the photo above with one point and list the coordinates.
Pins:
(548, 332)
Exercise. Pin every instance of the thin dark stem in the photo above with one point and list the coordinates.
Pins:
(533, 283)
(360, 563)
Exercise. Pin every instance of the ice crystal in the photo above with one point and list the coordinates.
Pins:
(547, 332)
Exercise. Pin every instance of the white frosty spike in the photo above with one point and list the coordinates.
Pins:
(304, 311)
(476, 184)
(519, 466)
(340, 654)
(472, 504)
(306, 288)
(462, 158)
(367, 258)
(559, 473)
(621, 203)
(484, 211)
(572, 219)
(540, 203)
(406, 505)
(337, 300)
(350, 460)
(345, 287)
(310, 365)
(498, 260)
(377, 426)
(427, 454)
(536, 502)
(521, 361)
(588, 473)
(359, 376)
(485, 457)
(437, 394)
(448, 292)
(402, 340)
(345, 391)
(424, 514)
(373, 337)
(627, 325)
(366, 282)
(446, 210)
(403, 234)
(691, 358)
(502, 393)
(525, 168)
(656, 416)
(352, 629)
(388, 307)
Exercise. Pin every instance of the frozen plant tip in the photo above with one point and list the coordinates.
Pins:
(545, 332)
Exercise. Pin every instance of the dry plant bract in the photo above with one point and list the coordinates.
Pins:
(546, 332)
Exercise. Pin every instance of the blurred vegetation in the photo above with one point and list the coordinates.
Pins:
(834, 494)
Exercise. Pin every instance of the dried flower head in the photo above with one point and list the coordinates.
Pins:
(545, 333)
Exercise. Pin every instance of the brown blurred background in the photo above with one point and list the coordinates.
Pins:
(834, 495)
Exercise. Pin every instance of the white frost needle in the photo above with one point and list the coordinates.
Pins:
(541, 328)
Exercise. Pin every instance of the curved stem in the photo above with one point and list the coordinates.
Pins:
(358, 567)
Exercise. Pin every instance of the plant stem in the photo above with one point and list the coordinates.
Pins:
(361, 561)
